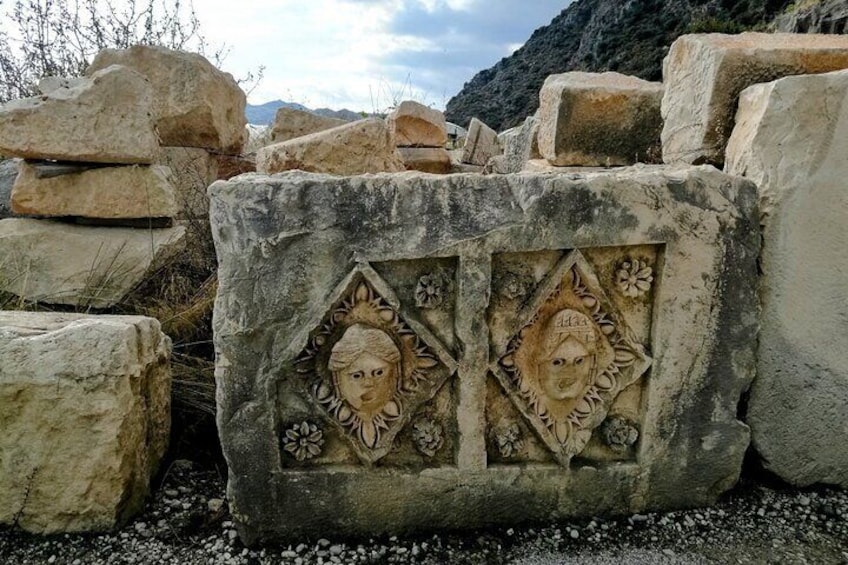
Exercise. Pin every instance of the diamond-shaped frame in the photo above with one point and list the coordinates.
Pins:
(566, 436)
(365, 299)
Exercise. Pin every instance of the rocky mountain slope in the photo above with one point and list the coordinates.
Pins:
(628, 36)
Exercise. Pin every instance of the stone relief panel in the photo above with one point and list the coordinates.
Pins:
(368, 370)
(564, 354)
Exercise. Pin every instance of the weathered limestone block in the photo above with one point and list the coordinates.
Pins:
(791, 138)
(416, 125)
(521, 144)
(481, 144)
(105, 119)
(359, 147)
(704, 74)
(8, 174)
(291, 123)
(426, 159)
(85, 419)
(57, 263)
(195, 104)
(190, 171)
(599, 119)
(408, 352)
(107, 193)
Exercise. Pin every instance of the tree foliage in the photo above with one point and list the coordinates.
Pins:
(41, 38)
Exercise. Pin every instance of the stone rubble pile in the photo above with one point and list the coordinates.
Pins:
(90, 146)
(516, 324)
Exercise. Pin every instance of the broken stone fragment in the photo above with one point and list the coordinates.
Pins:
(599, 119)
(194, 103)
(521, 144)
(416, 125)
(704, 74)
(481, 144)
(85, 418)
(291, 123)
(57, 263)
(108, 193)
(426, 159)
(103, 119)
(359, 147)
(791, 138)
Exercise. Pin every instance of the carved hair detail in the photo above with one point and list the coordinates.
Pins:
(569, 323)
(358, 339)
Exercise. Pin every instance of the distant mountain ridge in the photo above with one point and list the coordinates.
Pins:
(263, 114)
(627, 36)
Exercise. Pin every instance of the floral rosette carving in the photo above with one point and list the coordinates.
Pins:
(509, 441)
(366, 365)
(569, 362)
(634, 278)
(303, 441)
(428, 436)
(515, 285)
(431, 291)
(619, 433)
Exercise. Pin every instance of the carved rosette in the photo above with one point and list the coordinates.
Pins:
(303, 441)
(564, 367)
(367, 368)
(634, 278)
(428, 436)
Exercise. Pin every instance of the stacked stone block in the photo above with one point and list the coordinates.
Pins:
(89, 147)
(420, 134)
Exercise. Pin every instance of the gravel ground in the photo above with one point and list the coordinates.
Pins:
(187, 523)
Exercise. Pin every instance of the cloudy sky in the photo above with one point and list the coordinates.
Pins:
(361, 54)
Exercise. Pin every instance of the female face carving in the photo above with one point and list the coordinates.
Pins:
(568, 370)
(367, 383)
(567, 363)
(365, 364)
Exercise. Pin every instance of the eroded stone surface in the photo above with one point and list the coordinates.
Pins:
(107, 193)
(105, 119)
(704, 74)
(791, 138)
(194, 103)
(416, 125)
(190, 171)
(599, 119)
(58, 263)
(480, 349)
(481, 144)
(291, 123)
(426, 159)
(85, 418)
(360, 147)
(520, 144)
(8, 174)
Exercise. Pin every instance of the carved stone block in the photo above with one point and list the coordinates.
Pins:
(408, 352)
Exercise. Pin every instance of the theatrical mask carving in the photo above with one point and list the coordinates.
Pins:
(366, 364)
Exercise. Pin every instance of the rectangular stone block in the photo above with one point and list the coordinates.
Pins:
(412, 352)
(791, 138)
(481, 144)
(85, 418)
(599, 119)
(100, 193)
(704, 74)
(57, 263)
